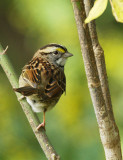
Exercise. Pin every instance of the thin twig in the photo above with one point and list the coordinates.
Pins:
(4, 51)
(108, 130)
(100, 61)
(31, 116)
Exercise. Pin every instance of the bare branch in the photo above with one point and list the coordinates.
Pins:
(100, 60)
(31, 116)
(108, 130)
(4, 51)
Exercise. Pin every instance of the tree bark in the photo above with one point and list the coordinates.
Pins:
(100, 60)
(31, 116)
(95, 69)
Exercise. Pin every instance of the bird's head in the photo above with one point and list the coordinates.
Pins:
(54, 53)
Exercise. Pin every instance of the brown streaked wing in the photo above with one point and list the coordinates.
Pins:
(33, 71)
(56, 85)
(39, 73)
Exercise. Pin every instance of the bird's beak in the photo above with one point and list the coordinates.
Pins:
(67, 54)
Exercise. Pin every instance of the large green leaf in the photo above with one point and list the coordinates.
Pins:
(98, 8)
(117, 9)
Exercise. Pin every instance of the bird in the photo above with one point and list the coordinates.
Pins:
(43, 81)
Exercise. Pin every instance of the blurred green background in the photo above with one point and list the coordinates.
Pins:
(71, 126)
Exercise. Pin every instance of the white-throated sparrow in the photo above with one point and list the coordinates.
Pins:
(43, 81)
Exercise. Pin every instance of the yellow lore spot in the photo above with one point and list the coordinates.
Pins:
(61, 50)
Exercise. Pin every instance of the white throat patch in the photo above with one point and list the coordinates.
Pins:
(61, 61)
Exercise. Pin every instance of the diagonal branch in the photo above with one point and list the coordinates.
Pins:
(31, 116)
(108, 130)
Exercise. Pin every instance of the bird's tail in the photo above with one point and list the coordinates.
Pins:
(26, 91)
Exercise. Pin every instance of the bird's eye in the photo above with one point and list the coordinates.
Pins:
(55, 53)
(34, 101)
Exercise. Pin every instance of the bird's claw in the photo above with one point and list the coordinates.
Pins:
(42, 125)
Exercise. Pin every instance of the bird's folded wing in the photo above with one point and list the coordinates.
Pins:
(42, 77)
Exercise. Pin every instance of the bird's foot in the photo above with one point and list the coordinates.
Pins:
(42, 125)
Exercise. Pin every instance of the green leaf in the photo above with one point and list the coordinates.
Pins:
(98, 8)
(117, 9)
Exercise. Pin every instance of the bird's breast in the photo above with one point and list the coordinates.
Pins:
(38, 105)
